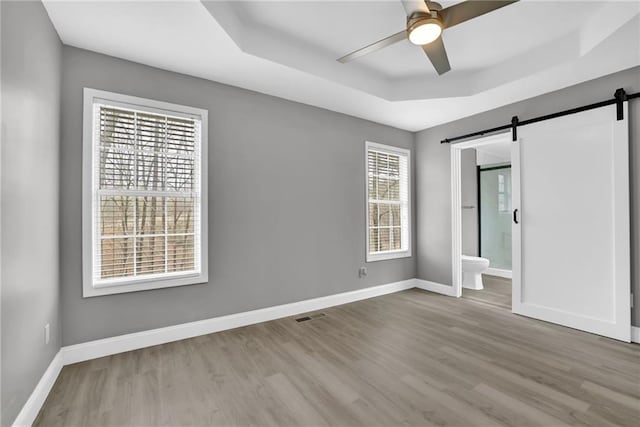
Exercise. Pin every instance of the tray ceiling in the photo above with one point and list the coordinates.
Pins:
(289, 49)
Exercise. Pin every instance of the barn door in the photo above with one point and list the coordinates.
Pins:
(571, 256)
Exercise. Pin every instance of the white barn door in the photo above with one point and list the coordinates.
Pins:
(571, 255)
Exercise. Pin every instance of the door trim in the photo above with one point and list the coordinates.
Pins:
(516, 233)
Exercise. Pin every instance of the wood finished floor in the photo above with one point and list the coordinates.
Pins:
(410, 358)
(496, 292)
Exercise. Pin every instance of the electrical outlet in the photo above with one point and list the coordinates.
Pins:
(362, 272)
(47, 333)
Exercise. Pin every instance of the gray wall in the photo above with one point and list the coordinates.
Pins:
(469, 197)
(31, 52)
(433, 189)
(286, 202)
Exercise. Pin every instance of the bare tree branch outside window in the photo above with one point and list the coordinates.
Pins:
(146, 184)
(385, 222)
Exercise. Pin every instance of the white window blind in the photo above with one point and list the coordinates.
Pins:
(146, 192)
(388, 204)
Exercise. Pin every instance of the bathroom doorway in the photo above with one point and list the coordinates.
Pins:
(493, 192)
(481, 217)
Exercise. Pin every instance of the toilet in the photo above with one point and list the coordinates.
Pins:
(472, 269)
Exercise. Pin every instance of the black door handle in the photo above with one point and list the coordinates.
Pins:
(515, 219)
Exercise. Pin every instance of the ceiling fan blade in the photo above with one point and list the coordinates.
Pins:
(412, 6)
(461, 12)
(388, 41)
(437, 55)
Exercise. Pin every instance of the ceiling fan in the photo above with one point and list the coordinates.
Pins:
(425, 22)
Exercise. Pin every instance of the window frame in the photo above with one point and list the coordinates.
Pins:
(90, 202)
(397, 253)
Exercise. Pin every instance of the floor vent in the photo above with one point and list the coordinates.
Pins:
(313, 316)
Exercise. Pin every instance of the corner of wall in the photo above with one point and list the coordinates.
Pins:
(31, 295)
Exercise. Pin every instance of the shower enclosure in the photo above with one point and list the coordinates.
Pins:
(494, 199)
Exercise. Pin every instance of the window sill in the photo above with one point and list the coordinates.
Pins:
(383, 256)
(142, 285)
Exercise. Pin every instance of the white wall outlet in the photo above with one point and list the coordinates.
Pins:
(362, 272)
(47, 333)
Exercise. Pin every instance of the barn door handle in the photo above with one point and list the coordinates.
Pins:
(515, 216)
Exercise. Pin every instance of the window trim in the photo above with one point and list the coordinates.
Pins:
(89, 288)
(398, 253)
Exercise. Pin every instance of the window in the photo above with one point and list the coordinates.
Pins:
(388, 204)
(504, 191)
(144, 194)
(501, 204)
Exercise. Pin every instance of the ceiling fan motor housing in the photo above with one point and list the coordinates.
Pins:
(416, 17)
(420, 18)
(433, 6)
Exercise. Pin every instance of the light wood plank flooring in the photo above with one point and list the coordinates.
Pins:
(496, 292)
(411, 358)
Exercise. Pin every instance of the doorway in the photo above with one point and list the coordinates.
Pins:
(481, 214)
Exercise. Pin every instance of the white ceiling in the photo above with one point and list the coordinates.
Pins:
(288, 49)
(356, 24)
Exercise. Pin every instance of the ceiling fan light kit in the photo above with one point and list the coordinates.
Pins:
(423, 29)
(426, 20)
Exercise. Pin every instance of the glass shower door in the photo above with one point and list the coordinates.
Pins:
(495, 216)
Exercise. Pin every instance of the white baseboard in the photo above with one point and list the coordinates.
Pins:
(435, 287)
(31, 408)
(498, 272)
(635, 334)
(108, 346)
